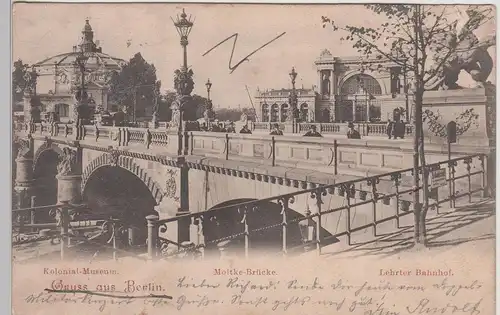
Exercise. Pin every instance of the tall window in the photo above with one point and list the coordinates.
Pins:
(368, 83)
(274, 113)
(62, 110)
(265, 112)
(284, 112)
(304, 112)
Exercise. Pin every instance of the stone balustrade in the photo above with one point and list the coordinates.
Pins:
(364, 128)
(291, 150)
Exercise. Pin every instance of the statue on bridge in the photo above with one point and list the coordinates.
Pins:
(68, 162)
(469, 54)
(24, 148)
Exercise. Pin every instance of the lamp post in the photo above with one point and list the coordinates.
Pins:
(293, 110)
(405, 83)
(156, 105)
(209, 86)
(81, 109)
(209, 112)
(183, 78)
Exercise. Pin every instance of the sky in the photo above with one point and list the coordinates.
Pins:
(41, 30)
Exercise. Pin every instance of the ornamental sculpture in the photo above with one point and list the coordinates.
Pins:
(30, 78)
(171, 185)
(68, 163)
(209, 114)
(469, 54)
(112, 157)
(183, 81)
(24, 148)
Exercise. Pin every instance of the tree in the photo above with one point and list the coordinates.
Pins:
(19, 80)
(166, 99)
(234, 114)
(426, 42)
(228, 114)
(134, 83)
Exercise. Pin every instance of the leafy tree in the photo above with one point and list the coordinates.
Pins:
(164, 111)
(166, 99)
(18, 80)
(135, 82)
(234, 114)
(426, 42)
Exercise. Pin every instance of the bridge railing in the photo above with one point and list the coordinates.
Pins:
(364, 128)
(64, 225)
(393, 189)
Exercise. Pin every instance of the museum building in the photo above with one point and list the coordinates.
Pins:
(65, 75)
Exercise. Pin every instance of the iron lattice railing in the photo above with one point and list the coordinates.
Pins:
(390, 188)
(465, 177)
(67, 227)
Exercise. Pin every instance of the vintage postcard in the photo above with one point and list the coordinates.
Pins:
(253, 158)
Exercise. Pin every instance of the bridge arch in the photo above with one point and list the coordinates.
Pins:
(228, 221)
(46, 146)
(124, 163)
(45, 161)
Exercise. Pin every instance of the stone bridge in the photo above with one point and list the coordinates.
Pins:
(136, 172)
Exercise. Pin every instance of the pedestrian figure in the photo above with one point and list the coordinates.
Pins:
(312, 132)
(390, 128)
(399, 129)
(245, 130)
(352, 133)
(276, 131)
(230, 128)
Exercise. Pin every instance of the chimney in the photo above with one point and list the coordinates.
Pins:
(74, 48)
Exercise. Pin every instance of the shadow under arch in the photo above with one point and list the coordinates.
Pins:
(265, 227)
(44, 174)
(113, 191)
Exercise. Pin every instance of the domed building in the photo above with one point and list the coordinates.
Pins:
(66, 76)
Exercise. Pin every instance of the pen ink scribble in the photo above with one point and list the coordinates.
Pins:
(235, 35)
(159, 296)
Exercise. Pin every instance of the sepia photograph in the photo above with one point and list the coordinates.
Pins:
(243, 157)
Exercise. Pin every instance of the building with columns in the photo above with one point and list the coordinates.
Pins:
(273, 105)
(66, 75)
(348, 89)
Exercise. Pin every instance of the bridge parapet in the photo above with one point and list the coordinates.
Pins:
(163, 139)
(358, 157)
(365, 128)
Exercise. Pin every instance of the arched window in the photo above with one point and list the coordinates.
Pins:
(265, 112)
(304, 112)
(361, 81)
(284, 112)
(274, 112)
(62, 110)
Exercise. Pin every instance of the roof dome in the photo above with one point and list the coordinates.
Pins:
(68, 59)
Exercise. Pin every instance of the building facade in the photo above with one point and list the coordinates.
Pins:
(348, 89)
(273, 105)
(66, 75)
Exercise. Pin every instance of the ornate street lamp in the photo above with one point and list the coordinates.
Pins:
(209, 86)
(209, 112)
(156, 105)
(81, 109)
(183, 26)
(293, 110)
(183, 78)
